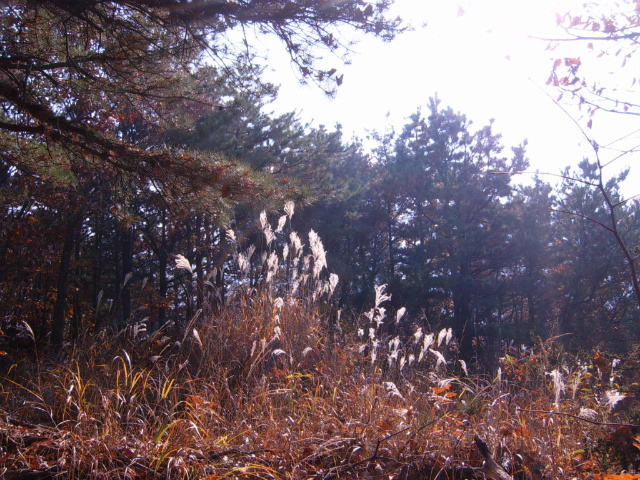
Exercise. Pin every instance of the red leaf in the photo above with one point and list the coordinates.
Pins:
(609, 26)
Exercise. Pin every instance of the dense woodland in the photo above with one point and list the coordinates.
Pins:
(187, 272)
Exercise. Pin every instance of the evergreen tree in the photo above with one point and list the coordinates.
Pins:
(446, 223)
(592, 275)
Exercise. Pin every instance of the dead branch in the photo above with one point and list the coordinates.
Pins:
(491, 468)
(593, 422)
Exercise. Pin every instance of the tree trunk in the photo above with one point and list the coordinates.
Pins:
(58, 322)
(126, 250)
(392, 266)
(163, 285)
(462, 313)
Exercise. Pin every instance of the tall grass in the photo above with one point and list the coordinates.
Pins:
(280, 385)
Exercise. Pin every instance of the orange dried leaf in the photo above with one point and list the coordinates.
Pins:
(385, 425)
(622, 476)
(440, 390)
(600, 362)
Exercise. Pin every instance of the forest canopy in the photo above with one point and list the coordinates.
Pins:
(136, 131)
(90, 92)
(101, 79)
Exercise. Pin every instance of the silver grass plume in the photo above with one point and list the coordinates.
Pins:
(381, 296)
(262, 220)
(272, 266)
(183, 264)
(558, 385)
(333, 282)
(296, 244)
(318, 252)
(243, 263)
(265, 226)
(281, 222)
(289, 208)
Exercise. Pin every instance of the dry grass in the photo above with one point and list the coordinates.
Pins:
(272, 389)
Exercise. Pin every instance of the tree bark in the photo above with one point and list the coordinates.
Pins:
(126, 250)
(58, 322)
(491, 468)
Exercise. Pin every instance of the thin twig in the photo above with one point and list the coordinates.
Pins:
(594, 422)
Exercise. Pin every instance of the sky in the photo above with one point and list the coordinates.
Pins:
(481, 58)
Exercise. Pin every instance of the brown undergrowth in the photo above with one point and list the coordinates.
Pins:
(278, 386)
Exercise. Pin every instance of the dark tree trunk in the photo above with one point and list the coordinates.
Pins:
(463, 325)
(163, 286)
(76, 320)
(58, 322)
(126, 250)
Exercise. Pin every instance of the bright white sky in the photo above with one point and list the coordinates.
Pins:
(483, 63)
